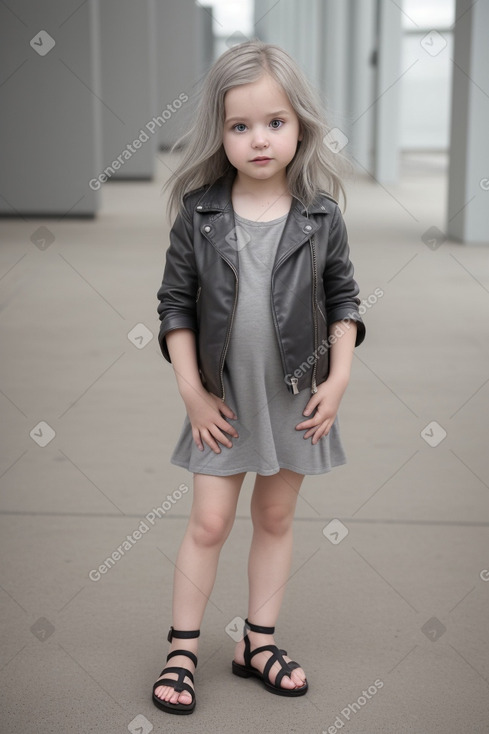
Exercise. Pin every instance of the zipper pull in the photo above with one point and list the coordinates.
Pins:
(294, 381)
(314, 388)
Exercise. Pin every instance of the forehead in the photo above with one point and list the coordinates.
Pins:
(264, 93)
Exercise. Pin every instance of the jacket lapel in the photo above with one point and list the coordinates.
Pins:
(298, 230)
(218, 225)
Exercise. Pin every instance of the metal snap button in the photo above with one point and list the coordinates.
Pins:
(199, 207)
(207, 228)
(307, 228)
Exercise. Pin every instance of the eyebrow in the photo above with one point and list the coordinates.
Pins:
(269, 114)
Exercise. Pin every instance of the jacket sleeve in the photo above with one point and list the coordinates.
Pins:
(178, 290)
(341, 289)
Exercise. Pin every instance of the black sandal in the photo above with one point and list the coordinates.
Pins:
(244, 671)
(179, 685)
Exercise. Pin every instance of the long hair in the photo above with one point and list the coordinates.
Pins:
(314, 168)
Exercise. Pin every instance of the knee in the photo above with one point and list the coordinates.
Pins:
(273, 519)
(210, 530)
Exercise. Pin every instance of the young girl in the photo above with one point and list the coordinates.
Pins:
(259, 318)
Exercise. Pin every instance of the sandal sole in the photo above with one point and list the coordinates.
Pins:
(172, 708)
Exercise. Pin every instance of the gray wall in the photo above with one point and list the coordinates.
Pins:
(128, 71)
(111, 85)
(50, 126)
(177, 32)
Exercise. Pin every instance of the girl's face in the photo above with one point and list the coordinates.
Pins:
(261, 130)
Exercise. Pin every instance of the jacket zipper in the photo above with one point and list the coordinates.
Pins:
(228, 335)
(314, 315)
(294, 380)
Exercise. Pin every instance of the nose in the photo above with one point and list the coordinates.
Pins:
(259, 140)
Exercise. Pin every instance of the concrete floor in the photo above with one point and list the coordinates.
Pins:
(390, 624)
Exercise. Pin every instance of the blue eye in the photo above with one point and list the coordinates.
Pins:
(240, 127)
(276, 124)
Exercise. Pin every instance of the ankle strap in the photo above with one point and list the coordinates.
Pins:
(258, 628)
(184, 634)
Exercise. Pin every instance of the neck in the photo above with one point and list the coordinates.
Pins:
(256, 189)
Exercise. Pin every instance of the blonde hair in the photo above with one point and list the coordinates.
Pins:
(313, 169)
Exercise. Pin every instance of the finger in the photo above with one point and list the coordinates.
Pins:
(317, 437)
(222, 406)
(320, 433)
(227, 411)
(209, 440)
(311, 423)
(312, 403)
(227, 428)
(197, 439)
(312, 431)
(220, 436)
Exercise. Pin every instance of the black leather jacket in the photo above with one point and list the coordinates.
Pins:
(312, 284)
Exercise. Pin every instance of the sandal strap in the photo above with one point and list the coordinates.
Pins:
(182, 634)
(258, 628)
(179, 670)
(187, 653)
(277, 657)
(254, 628)
(176, 685)
(264, 648)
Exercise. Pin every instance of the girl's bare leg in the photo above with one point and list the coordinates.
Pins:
(272, 511)
(211, 519)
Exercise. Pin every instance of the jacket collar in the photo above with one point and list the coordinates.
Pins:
(219, 229)
(217, 198)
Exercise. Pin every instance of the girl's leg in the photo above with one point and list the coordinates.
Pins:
(272, 511)
(211, 519)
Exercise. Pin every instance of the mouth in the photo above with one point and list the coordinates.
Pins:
(261, 158)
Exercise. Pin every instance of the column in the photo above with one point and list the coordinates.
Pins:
(128, 68)
(361, 82)
(468, 185)
(386, 115)
(178, 71)
(51, 99)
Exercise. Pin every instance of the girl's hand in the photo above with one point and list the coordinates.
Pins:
(205, 411)
(326, 401)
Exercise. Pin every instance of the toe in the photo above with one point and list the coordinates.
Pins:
(159, 692)
(166, 693)
(298, 676)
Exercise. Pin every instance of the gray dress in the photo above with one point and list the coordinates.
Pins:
(254, 381)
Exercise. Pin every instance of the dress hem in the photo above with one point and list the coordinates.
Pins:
(266, 473)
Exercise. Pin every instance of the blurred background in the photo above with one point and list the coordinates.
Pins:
(104, 87)
(93, 95)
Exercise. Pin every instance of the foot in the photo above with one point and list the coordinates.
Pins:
(167, 693)
(296, 679)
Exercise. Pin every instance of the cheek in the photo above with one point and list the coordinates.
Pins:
(231, 146)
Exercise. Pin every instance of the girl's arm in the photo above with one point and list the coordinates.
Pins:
(205, 410)
(327, 399)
